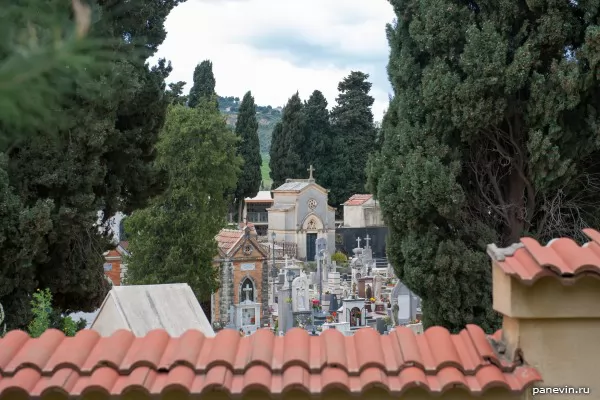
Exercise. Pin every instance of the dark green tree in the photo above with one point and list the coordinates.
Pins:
(173, 240)
(491, 135)
(293, 142)
(246, 130)
(204, 85)
(175, 93)
(319, 136)
(99, 157)
(276, 156)
(355, 135)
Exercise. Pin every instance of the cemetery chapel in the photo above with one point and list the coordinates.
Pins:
(300, 214)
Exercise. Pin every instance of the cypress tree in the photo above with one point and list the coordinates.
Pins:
(319, 136)
(355, 134)
(175, 93)
(276, 156)
(491, 135)
(204, 84)
(294, 139)
(98, 158)
(246, 130)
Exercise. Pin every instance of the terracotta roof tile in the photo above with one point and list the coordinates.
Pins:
(358, 199)
(562, 258)
(435, 360)
(227, 238)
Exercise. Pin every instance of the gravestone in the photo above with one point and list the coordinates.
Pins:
(381, 328)
(284, 308)
(300, 298)
(303, 318)
(377, 282)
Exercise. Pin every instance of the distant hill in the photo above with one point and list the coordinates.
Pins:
(267, 117)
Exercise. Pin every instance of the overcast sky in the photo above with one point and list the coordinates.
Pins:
(277, 47)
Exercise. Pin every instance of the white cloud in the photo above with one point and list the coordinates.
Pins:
(226, 32)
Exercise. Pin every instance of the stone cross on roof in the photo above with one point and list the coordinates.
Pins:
(311, 170)
(358, 241)
(367, 239)
(247, 291)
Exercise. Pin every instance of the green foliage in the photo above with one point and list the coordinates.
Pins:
(172, 240)
(289, 148)
(246, 129)
(276, 155)
(319, 136)
(42, 50)
(45, 317)
(98, 155)
(175, 93)
(340, 258)
(491, 135)
(41, 308)
(203, 88)
(265, 172)
(354, 138)
(267, 118)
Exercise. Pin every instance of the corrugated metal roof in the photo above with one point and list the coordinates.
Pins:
(172, 307)
(293, 186)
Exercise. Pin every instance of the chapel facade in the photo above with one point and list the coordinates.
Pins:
(243, 276)
(300, 214)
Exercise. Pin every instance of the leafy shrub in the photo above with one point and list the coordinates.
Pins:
(340, 258)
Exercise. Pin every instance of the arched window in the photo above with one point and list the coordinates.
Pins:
(355, 317)
(247, 290)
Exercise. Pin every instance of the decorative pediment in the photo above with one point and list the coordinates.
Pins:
(312, 222)
(248, 248)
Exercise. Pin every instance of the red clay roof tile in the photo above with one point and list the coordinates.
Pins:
(434, 360)
(358, 199)
(227, 238)
(562, 258)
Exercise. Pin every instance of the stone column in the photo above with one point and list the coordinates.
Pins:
(265, 295)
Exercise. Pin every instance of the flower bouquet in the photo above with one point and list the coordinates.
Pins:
(316, 305)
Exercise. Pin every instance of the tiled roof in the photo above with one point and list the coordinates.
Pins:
(562, 258)
(156, 363)
(358, 199)
(227, 238)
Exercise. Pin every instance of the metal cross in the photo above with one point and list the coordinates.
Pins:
(247, 291)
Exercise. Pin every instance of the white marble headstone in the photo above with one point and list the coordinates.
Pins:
(300, 301)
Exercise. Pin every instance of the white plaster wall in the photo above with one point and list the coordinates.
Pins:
(353, 217)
